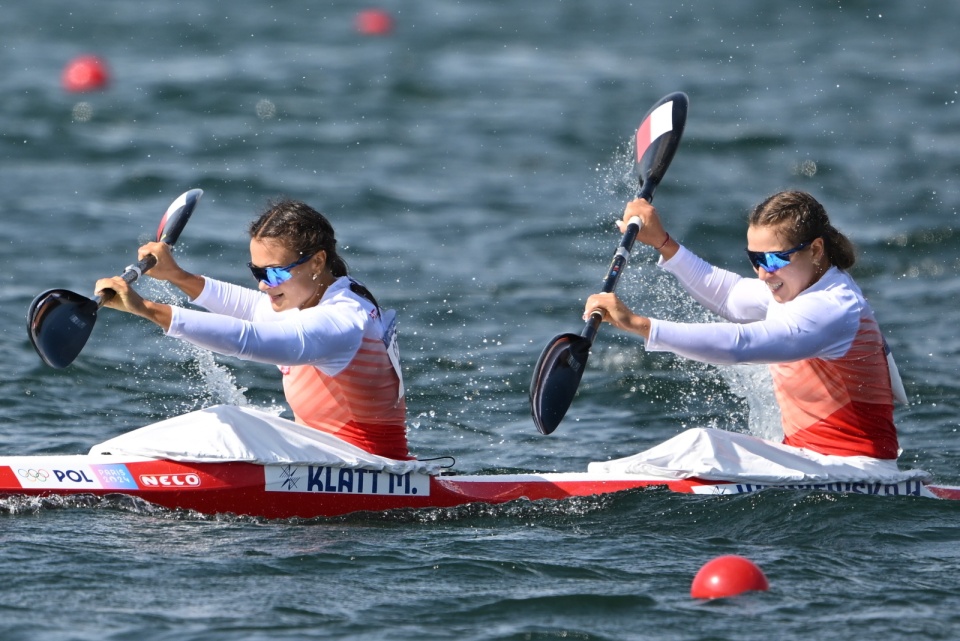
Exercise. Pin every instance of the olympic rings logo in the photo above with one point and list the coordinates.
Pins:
(34, 476)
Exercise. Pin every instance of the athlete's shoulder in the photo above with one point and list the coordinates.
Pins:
(836, 285)
(834, 303)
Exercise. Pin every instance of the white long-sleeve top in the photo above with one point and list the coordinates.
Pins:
(339, 360)
(822, 322)
(243, 324)
(826, 354)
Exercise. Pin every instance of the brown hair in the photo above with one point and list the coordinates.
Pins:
(799, 218)
(306, 231)
(301, 228)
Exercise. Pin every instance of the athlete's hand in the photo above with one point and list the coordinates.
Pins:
(166, 267)
(651, 228)
(615, 312)
(126, 299)
(123, 298)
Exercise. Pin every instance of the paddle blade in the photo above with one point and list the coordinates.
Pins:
(556, 379)
(657, 140)
(59, 323)
(558, 372)
(177, 215)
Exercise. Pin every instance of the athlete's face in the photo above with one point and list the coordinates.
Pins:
(301, 288)
(805, 268)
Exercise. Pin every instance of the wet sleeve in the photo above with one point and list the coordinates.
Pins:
(819, 325)
(724, 293)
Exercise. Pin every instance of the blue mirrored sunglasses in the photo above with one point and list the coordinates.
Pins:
(273, 276)
(772, 261)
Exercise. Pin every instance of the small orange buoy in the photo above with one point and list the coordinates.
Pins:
(727, 576)
(85, 73)
(374, 22)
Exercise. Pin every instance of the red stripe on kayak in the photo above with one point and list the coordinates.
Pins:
(945, 491)
(8, 477)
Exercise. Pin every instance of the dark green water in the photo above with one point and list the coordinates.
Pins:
(473, 163)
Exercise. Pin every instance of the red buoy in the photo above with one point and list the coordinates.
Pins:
(85, 73)
(727, 576)
(374, 22)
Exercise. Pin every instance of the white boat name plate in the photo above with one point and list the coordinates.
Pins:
(904, 488)
(343, 480)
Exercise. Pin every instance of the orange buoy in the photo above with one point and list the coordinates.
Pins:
(85, 73)
(374, 22)
(727, 576)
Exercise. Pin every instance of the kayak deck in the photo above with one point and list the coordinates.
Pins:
(309, 491)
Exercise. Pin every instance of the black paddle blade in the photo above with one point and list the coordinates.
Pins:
(59, 323)
(558, 372)
(556, 379)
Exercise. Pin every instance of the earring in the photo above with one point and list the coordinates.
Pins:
(316, 276)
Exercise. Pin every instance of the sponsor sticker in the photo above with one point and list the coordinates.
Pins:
(51, 474)
(343, 480)
(169, 481)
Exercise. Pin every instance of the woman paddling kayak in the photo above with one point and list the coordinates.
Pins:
(803, 315)
(324, 330)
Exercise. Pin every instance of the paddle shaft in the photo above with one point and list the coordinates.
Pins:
(556, 376)
(171, 225)
(59, 321)
(619, 261)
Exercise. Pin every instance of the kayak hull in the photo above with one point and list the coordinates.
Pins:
(308, 491)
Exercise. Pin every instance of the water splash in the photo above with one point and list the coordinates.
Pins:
(754, 385)
(212, 383)
(651, 291)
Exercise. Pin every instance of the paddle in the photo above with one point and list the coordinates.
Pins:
(59, 321)
(557, 374)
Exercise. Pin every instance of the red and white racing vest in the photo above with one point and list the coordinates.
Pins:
(363, 404)
(840, 406)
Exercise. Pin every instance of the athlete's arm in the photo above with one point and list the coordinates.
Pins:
(818, 325)
(232, 300)
(725, 293)
(327, 336)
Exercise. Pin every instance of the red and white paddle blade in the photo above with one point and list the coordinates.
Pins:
(659, 136)
(177, 215)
